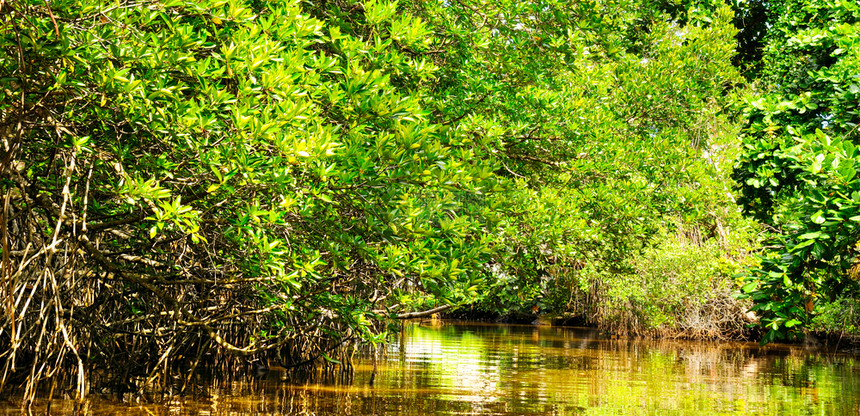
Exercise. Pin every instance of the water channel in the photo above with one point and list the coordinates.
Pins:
(465, 369)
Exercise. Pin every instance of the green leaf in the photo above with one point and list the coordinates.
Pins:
(818, 217)
(810, 236)
(846, 172)
(329, 359)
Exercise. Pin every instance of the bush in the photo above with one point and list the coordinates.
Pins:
(682, 286)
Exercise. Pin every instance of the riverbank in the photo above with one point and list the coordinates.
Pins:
(835, 341)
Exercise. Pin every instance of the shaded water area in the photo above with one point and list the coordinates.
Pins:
(463, 369)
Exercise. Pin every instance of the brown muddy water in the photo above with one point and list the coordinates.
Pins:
(467, 369)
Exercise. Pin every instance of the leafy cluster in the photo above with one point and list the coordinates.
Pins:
(798, 170)
(608, 149)
(186, 174)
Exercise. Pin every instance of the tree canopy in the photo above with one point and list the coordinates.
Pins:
(192, 181)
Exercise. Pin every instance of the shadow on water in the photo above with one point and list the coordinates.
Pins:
(517, 370)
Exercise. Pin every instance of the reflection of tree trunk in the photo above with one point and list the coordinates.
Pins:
(375, 359)
(402, 348)
(750, 369)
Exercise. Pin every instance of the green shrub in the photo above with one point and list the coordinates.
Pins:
(841, 316)
(682, 286)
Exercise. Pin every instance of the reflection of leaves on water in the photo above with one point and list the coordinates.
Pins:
(501, 370)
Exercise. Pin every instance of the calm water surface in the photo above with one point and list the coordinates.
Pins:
(522, 370)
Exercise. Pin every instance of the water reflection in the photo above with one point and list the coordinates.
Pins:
(517, 370)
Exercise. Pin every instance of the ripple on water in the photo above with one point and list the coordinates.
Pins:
(525, 370)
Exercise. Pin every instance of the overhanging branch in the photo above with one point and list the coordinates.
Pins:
(412, 315)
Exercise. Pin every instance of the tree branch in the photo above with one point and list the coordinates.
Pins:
(412, 315)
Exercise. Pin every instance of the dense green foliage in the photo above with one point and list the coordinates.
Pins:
(798, 170)
(612, 152)
(187, 181)
(227, 173)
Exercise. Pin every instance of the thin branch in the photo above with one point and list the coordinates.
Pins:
(421, 314)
